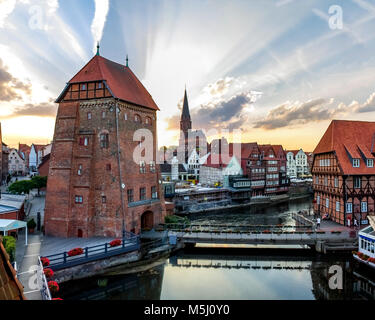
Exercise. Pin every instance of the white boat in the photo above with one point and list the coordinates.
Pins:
(366, 244)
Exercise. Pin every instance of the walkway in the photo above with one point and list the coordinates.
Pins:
(27, 262)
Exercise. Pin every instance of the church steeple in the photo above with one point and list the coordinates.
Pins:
(185, 123)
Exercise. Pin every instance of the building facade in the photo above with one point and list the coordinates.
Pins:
(16, 163)
(297, 163)
(344, 174)
(95, 186)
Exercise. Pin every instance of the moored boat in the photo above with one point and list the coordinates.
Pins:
(366, 245)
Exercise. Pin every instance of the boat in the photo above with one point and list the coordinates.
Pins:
(366, 245)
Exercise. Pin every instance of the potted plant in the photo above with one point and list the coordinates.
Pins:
(45, 261)
(115, 243)
(75, 252)
(31, 225)
(48, 273)
(53, 287)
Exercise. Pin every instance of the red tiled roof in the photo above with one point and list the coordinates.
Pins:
(293, 151)
(24, 148)
(344, 136)
(121, 81)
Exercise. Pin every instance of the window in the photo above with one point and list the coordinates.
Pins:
(78, 199)
(336, 182)
(355, 163)
(99, 85)
(349, 207)
(137, 118)
(108, 167)
(104, 199)
(84, 141)
(338, 206)
(126, 116)
(152, 166)
(326, 181)
(317, 180)
(142, 167)
(130, 196)
(370, 163)
(357, 182)
(154, 193)
(148, 120)
(142, 194)
(79, 172)
(83, 87)
(103, 114)
(318, 199)
(104, 140)
(327, 203)
(363, 206)
(89, 115)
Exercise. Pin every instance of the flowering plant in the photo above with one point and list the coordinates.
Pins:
(45, 261)
(115, 243)
(48, 272)
(75, 252)
(53, 286)
(372, 260)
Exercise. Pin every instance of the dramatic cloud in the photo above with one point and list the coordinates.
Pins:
(10, 87)
(368, 106)
(220, 87)
(97, 26)
(297, 113)
(45, 109)
(173, 123)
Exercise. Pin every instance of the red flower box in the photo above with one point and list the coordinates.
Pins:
(372, 260)
(57, 299)
(266, 231)
(45, 261)
(75, 252)
(115, 243)
(53, 286)
(48, 272)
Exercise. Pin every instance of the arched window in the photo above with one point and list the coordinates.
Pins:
(137, 118)
(104, 140)
(148, 121)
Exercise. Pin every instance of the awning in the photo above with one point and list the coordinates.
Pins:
(7, 225)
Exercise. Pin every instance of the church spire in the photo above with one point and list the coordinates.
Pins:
(97, 49)
(185, 108)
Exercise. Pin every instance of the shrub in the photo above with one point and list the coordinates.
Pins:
(75, 252)
(48, 272)
(115, 243)
(9, 244)
(31, 224)
(53, 287)
(45, 261)
(176, 220)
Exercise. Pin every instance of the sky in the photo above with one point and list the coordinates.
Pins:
(278, 70)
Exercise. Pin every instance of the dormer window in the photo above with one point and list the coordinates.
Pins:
(355, 163)
(370, 163)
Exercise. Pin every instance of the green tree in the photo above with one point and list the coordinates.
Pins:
(39, 182)
(20, 187)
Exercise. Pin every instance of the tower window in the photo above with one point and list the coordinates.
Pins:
(142, 194)
(104, 199)
(154, 193)
(142, 167)
(126, 116)
(130, 195)
(104, 140)
(152, 166)
(78, 199)
(137, 118)
(89, 115)
(103, 114)
(84, 141)
(79, 170)
(108, 167)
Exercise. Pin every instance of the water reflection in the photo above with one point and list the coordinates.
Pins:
(231, 274)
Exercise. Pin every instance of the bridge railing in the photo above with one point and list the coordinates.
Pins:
(62, 260)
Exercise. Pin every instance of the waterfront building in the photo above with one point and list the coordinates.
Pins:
(24, 151)
(4, 162)
(16, 163)
(297, 163)
(37, 152)
(95, 187)
(344, 174)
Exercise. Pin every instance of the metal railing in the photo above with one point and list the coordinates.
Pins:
(62, 260)
(42, 282)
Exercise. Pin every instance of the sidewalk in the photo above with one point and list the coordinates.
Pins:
(27, 260)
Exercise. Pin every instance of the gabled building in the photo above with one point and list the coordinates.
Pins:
(297, 163)
(24, 151)
(95, 186)
(16, 163)
(343, 172)
(4, 162)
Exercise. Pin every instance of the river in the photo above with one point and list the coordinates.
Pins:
(235, 273)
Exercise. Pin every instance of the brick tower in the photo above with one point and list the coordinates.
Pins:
(95, 188)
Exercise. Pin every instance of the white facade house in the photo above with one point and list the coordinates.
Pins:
(297, 163)
(212, 174)
(43, 151)
(37, 152)
(16, 164)
(194, 163)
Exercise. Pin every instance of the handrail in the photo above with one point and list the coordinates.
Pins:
(42, 281)
(62, 260)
